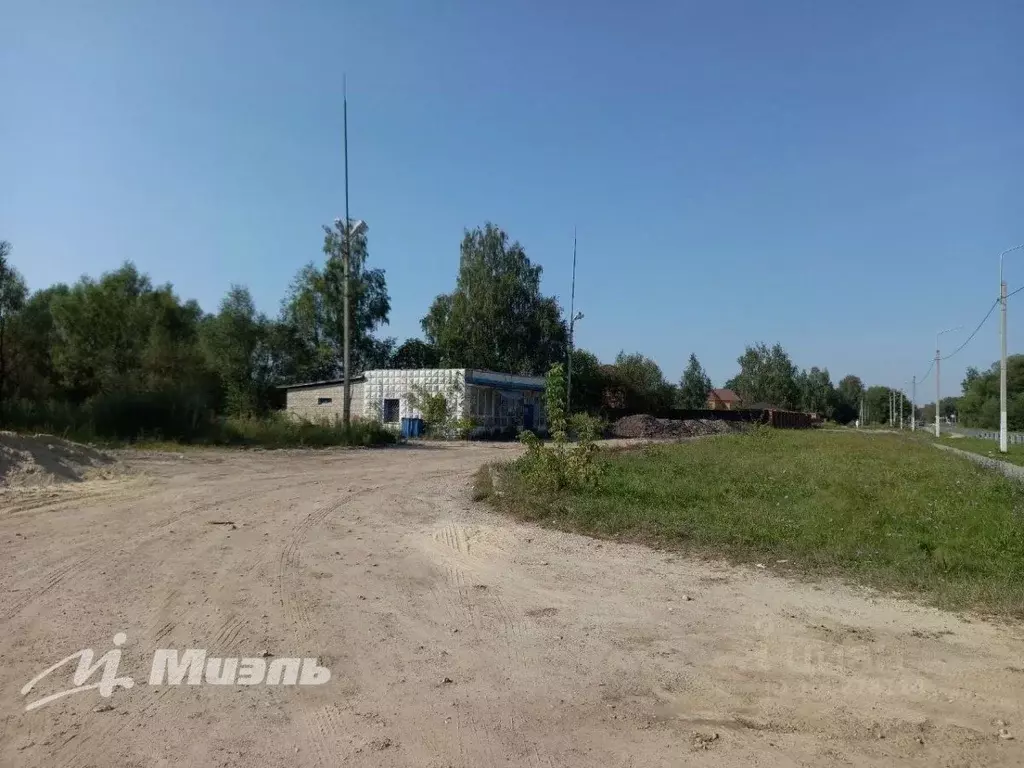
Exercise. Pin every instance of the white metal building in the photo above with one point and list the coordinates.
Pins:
(492, 400)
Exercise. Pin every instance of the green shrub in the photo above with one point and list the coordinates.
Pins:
(560, 466)
(116, 416)
(587, 425)
(280, 431)
(440, 417)
(173, 417)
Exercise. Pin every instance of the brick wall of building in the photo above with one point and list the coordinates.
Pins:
(306, 403)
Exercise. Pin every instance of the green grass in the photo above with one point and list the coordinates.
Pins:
(876, 509)
(990, 448)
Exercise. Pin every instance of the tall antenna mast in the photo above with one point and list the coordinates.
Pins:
(346, 406)
(572, 325)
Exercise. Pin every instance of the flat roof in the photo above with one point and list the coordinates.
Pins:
(323, 383)
(479, 376)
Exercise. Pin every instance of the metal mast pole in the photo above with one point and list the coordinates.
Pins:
(572, 325)
(1003, 436)
(346, 265)
(1003, 439)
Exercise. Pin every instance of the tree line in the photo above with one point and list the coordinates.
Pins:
(767, 378)
(128, 355)
(978, 403)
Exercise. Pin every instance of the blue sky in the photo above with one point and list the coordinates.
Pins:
(838, 177)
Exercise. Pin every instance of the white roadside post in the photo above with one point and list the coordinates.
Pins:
(1003, 435)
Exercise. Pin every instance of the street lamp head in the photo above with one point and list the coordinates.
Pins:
(355, 227)
(577, 316)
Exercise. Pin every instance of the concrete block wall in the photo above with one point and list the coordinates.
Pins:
(304, 403)
(397, 384)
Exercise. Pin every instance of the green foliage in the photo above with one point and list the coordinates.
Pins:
(463, 427)
(588, 383)
(586, 424)
(118, 416)
(554, 402)
(982, 447)
(12, 299)
(951, 407)
(560, 466)
(117, 356)
(816, 393)
(235, 344)
(877, 405)
(496, 318)
(413, 354)
(280, 431)
(172, 416)
(440, 411)
(979, 405)
(874, 508)
(767, 377)
(636, 382)
(694, 386)
(309, 344)
(847, 399)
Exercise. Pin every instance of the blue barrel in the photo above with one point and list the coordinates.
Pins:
(407, 427)
(416, 427)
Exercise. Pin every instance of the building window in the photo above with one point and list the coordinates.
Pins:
(323, 401)
(390, 411)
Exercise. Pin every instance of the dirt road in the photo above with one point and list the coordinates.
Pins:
(456, 637)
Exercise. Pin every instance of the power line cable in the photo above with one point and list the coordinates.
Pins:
(983, 321)
(927, 373)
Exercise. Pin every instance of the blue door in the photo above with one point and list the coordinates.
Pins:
(528, 416)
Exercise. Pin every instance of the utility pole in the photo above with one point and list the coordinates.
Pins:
(346, 408)
(938, 393)
(901, 409)
(1003, 436)
(572, 324)
(913, 404)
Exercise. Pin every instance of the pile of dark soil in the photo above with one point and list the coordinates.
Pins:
(648, 426)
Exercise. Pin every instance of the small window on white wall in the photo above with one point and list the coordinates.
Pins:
(323, 401)
(390, 410)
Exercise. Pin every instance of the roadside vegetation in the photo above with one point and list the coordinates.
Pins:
(982, 447)
(878, 510)
(121, 357)
(123, 421)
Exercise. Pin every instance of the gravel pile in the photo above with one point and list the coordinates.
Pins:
(648, 426)
(40, 460)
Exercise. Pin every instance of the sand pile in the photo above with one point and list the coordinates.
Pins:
(648, 426)
(41, 460)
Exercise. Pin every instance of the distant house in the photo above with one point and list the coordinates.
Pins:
(723, 400)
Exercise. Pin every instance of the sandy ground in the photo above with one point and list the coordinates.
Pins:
(456, 637)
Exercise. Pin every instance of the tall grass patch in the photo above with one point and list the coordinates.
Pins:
(881, 510)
